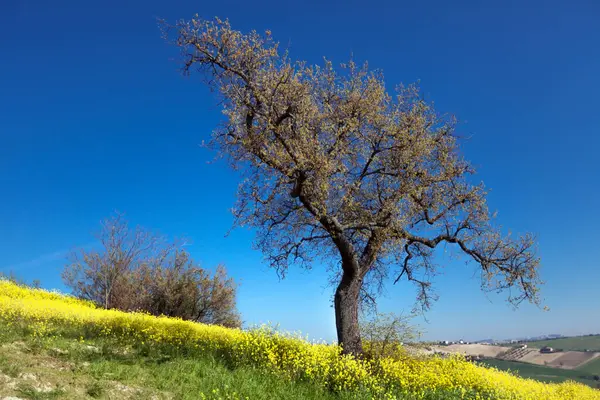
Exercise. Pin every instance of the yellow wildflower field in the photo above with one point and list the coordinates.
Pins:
(49, 313)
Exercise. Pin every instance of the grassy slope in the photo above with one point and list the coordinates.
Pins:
(576, 343)
(592, 367)
(67, 369)
(542, 373)
(139, 356)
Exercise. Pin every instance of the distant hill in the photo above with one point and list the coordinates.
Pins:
(575, 343)
(585, 375)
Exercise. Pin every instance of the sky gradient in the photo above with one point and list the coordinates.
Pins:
(95, 117)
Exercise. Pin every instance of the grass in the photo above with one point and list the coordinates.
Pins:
(59, 347)
(575, 343)
(8, 367)
(592, 367)
(543, 373)
(29, 391)
(62, 368)
(59, 368)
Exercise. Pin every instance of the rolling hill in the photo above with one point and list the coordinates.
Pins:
(574, 343)
(584, 375)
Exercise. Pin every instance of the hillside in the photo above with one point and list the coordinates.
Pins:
(103, 369)
(593, 367)
(576, 343)
(529, 362)
(547, 374)
(71, 349)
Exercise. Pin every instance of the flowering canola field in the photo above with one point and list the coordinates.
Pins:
(48, 313)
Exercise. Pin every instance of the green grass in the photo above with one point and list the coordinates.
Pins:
(61, 368)
(542, 373)
(575, 343)
(8, 367)
(29, 391)
(67, 369)
(592, 367)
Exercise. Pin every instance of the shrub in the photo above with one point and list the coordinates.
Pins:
(138, 270)
(385, 334)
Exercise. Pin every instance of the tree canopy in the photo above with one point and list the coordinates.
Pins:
(337, 168)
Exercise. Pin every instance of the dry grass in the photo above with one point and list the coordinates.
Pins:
(573, 359)
(473, 349)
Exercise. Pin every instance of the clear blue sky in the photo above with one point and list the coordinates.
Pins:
(94, 117)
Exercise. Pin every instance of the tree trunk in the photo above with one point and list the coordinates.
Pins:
(346, 313)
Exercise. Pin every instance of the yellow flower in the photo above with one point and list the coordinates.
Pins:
(291, 357)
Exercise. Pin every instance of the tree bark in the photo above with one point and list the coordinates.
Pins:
(346, 313)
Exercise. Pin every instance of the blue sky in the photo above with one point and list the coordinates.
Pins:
(94, 117)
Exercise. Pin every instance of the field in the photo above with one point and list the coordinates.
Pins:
(575, 343)
(546, 374)
(55, 346)
(573, 359)
(566, 359)
(593, 367)
(473, 349)
(563, 360)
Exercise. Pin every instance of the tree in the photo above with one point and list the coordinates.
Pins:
(140, 270)
(182, 289)
(100, 276)
(336, 168)
(386, 333)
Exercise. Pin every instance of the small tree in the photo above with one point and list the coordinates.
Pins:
(385, 334)
(180, 288)
(139, 270)
(100, 275)
(336, 168)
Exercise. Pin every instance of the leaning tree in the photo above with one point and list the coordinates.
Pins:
(337, 168)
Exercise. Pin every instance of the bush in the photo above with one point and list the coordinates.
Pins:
(385, 334)
(138, 270)
(187, 291)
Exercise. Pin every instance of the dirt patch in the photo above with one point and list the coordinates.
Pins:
(92, 349)
(473, 349)
(540, 358)
(36, 383)
(7, 382)
(125, 390)
(18, 345)
(573, 359)
(418, 351)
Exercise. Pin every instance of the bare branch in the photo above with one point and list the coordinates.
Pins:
(337, 168)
